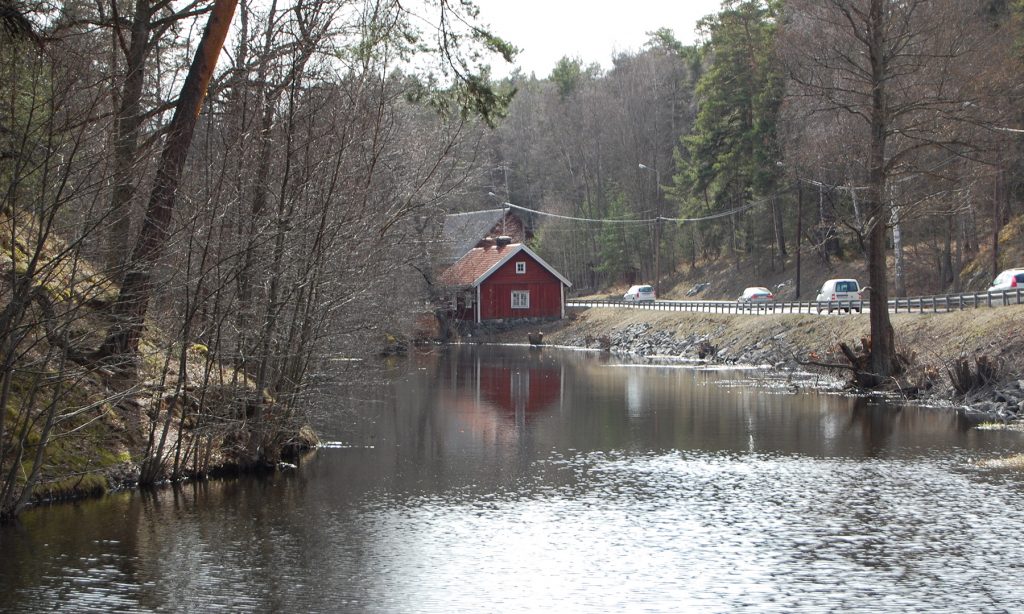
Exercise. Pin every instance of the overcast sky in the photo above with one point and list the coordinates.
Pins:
(593, 30)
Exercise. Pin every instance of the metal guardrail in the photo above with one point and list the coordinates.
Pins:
(957, 302)
(920, 304)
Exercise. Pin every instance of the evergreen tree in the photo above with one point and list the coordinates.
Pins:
(730, 155)
(620, 240)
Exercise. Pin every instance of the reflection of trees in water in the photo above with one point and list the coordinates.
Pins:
(483, 397)
(876, 421)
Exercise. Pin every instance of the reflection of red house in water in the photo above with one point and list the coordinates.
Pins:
(512, 390)
(521, 390)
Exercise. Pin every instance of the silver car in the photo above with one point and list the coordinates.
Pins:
(756, 296)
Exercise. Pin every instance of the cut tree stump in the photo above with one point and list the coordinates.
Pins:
(965, 380)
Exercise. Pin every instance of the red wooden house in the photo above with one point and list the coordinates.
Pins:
(504, 281)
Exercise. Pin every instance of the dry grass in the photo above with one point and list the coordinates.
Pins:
(65, 277)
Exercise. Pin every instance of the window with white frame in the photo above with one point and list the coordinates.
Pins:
(521, 267)
(520, 299)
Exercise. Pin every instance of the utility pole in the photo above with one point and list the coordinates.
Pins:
(799, 231)
(504, 211)
(657, 229)
(505, 202)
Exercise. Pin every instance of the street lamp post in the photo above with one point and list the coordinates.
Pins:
(657, 229)
(504, 172)
(504, 212)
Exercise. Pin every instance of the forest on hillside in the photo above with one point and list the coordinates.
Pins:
(254, 186)
(763, 136)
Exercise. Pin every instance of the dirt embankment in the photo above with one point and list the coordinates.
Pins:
(934, 343)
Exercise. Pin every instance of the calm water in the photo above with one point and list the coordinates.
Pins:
(511, 480)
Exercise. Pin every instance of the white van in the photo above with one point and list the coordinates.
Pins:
(839, 294)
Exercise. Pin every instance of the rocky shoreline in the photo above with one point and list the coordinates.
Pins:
(788, 344)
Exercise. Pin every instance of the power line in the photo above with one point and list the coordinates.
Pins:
(579, 219)
(853, 188)
(680, 220)
(714, 216)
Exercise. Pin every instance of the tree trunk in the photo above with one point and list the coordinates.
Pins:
(780, 235)
(734, 248)
(246, 309)
(969, 229)
(799, 231)
(693, 246)
(126, 137)
(858, 220)
(997, 223)
(133, 301)
(946, 272)
(883, 345)
(828, 238)
(958, 260)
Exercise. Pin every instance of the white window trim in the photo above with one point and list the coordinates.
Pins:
(521, 267)
(521, 294)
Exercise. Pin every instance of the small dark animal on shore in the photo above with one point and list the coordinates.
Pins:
(706, 350)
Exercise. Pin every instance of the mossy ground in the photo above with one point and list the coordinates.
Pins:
(102, 418)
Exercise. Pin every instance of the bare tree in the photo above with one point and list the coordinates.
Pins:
(149, 21)
(133, 301)
(892, 69)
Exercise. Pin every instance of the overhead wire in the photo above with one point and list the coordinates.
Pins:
(679, 220)
(684, 220)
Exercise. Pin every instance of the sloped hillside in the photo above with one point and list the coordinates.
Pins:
(725, 277)
(74, 425)
(977, 273)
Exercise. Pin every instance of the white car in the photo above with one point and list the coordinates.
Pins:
(842, 294)
(756, 296)
(1007, 280)
(639, 294)
(1007, 284)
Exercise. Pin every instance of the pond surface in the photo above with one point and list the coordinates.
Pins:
(504, 479)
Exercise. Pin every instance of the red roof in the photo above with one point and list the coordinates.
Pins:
(480, 262)
(475, 263)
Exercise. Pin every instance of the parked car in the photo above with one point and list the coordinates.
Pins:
(639, 294)
(1010, 279)
(842, 294)
(756, 296)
